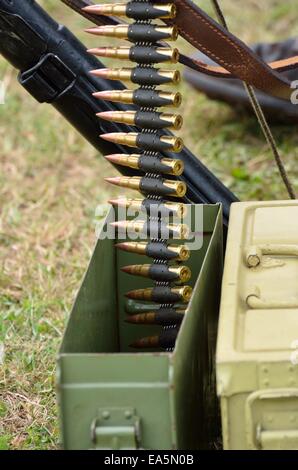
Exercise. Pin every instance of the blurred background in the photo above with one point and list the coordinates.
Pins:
(51, 181)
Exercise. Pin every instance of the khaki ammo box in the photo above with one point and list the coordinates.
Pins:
(112, 397)
(257, 349)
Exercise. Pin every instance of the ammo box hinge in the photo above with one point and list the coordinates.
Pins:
(48, 79)
(116, 429)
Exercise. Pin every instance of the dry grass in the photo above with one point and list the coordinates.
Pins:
(51, 181)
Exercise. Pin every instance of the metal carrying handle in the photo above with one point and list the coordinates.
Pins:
(254, 254)
(255, 302)
(258, 438)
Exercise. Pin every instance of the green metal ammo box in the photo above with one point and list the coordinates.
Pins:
(112, 397)
(257, 351)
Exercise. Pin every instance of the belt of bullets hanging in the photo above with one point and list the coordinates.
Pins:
(167, 270)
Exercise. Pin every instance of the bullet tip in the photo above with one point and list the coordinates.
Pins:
(104, 95)
(105, 115)
(109, 158)
(109, 137)
(129, 295)
(120, 246)
(126, 269)
(88, 8)
(99, 30)
(114, 158)
(118, 202)
(100, 51)
(99, 72)
(119, 224)
(111, 179)
(92, 8)
(106, 137)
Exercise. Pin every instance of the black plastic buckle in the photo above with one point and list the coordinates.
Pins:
(48, 79)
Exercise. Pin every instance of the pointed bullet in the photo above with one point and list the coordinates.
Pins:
(145, 141)
(117, 9)
(142, 318)
(144, 119)
(144, 343)
(139, 75)
(154, 229)
(92, 8)
(134, 10)
(119, 158)
(102, 73)
(159, 272)
(110, 115)
(122, 96)
(152, 208)
(138, 54)
(147, 185)
(113, 136)
(136, 32)
(100, 51)
(141, 97)
(163, 316)
(166, 340)
(136, 161)
(124, 117)
(162, 294)
(132, 182)
(156, 250)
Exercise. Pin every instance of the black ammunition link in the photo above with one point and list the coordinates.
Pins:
(157, 229)
(155, 208)
(152, 142)
(160, 250)
(149, 98)
(150, 120)
(146, 32)
(154, 186)
(141, 11)
(168, 316)
(146, 55)
(167, 338)
(163, 294)
(152, 164)
(161, 272)
(148, 76)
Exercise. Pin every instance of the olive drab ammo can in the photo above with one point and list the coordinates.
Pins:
(257, 349)
(112, 397)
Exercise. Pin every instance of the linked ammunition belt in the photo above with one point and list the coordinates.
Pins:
(167, 271)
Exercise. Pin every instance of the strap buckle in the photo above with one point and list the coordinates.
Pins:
(48, 79)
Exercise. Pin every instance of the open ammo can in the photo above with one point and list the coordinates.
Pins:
(112, 397)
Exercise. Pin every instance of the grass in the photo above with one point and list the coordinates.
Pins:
(50, 183)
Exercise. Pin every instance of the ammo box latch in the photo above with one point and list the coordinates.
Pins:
(116, 429)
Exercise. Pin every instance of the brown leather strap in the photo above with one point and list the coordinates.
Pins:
(228, 51)
(235, 59)
(217, 71)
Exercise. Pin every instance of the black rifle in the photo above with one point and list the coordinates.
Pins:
(54, 68)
